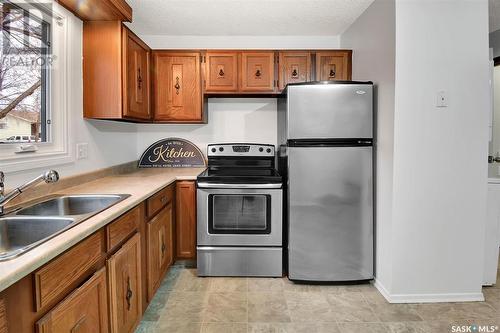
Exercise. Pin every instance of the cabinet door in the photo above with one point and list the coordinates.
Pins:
(333, 65)
(221, 71)
(177, 87)
(124, 276)
(294, 67)
(84, 311)
(257, 71)
(3, 317)
(185, 213)
(136, 77)
(160, 248)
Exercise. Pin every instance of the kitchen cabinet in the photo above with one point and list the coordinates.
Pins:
(84, 310)
(116, 79)
(294, 67)
(99, 10)
(124, 276)
(221, 71)
(160, 247)
(185, 223)
(257, 71)
(3, 317)
(177, 87)
(333, 65)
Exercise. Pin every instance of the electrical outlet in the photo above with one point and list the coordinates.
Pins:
(82, 151)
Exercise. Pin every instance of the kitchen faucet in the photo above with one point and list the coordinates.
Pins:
(50, 176)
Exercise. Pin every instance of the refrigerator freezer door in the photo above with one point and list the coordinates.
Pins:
(330, 213)
(330, 111)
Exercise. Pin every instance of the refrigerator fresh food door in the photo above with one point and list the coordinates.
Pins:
(330, 111)
(330, 213)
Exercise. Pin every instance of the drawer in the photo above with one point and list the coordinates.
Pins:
(64, 273)
(84, 310)
(120, 229)
(159, 200)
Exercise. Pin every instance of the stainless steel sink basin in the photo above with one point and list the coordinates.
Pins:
(30, 226)
(70, 205)
(20, 234)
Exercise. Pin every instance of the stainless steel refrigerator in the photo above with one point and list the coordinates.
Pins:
(326, 132)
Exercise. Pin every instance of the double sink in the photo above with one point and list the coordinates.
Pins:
(27, 227)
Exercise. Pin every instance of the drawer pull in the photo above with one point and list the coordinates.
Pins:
(129, 295)
(163, 199)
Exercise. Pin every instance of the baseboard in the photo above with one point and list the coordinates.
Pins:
(427, 298)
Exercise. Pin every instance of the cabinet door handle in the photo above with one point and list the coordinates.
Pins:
(295, 73)
(163, 247)
(221, 72)
(332, 73)
(177, 85)
(258, 73)
(139, 79)
(129, 294)
(79, 323)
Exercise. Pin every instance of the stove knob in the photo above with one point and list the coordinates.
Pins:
(268, 150)
(261, 149)
(214, 150)
(221, 149)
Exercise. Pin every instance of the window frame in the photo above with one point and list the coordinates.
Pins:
(57, 149)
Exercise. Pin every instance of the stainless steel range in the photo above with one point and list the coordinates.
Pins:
(239, 200)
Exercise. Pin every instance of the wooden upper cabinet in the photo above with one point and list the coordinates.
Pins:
(333, 65)
(160, 248)
(257, 71)
(294, 67)
(99, 10)
(221, 71)
(136, 69)
(124, 276)
(177, 86)
(84, 310)
(185, 224)
(115, 72)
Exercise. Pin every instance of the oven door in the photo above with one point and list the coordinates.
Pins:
(239, 216)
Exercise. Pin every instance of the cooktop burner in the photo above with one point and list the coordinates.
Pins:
(239, 163)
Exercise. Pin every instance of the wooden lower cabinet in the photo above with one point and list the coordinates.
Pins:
(124, 284)
(185, 213)
(3, 317)
(84, 311)
(160, 248)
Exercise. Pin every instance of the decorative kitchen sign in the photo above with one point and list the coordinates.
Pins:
(172, 153)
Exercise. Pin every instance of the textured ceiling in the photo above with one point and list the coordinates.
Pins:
(245, 17)
(494, 8)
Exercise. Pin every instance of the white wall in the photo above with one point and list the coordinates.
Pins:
(372, 37)
(440, 173)
(230, 120)
(241, 42)
(110, 143)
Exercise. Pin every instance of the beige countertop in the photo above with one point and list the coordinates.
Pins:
(140, 184)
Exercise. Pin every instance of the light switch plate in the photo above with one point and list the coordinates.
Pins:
(442, 99)
(82, 151)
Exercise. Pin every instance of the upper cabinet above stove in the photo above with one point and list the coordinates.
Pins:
(117, 70)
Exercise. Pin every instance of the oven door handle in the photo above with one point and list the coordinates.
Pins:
(220, 185)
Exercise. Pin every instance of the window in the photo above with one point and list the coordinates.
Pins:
(24, 68)
(40, 75)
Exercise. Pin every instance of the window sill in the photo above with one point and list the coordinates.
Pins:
(35, 161)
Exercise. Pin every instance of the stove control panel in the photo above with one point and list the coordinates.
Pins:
(240, 149)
